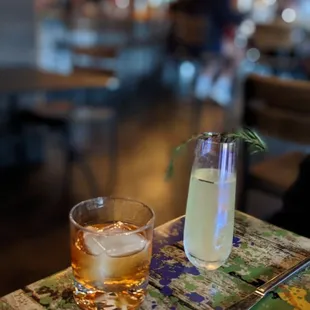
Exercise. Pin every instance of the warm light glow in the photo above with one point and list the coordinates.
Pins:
(141, 10)
(122, 4)
(289, 15)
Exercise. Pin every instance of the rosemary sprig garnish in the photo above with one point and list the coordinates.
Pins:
(254, 143)
(177, 151)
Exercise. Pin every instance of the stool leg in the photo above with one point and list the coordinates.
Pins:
(19, 131)
(88, 174)
(72, 155)
(69, 158)
(113, 150)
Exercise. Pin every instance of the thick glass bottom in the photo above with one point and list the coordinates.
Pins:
(208, 265)
(97, 299)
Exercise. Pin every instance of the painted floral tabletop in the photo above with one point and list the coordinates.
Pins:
(260, 251)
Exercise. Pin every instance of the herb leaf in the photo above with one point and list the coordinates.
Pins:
(176, 152)
(251, 138)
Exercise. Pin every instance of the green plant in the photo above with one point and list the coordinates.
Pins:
(254, 143)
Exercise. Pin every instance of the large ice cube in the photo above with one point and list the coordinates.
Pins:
(115, 255)
(113, 243)
(94, 244)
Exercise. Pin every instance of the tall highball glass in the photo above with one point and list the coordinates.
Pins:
(210, 210)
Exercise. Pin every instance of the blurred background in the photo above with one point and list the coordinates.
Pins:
(95, 94)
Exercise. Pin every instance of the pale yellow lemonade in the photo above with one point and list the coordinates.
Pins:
(209, 220)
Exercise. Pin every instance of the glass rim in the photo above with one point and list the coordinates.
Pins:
(149, 223)
(213, 134)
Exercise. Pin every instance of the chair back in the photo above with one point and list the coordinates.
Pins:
(95, 60)
(97, 51)
(278, 108)
(272, 37)
(93, 70)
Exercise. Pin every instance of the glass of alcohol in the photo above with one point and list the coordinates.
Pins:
(111, 247)
(210, 209)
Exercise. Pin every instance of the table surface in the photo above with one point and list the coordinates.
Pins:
(260, 251)
(14, 80)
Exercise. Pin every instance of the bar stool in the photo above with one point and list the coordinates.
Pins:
(67, 120)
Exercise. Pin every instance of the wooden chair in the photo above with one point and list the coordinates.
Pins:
(96, 51)
(63, 116)
(272, 37)
(95, 61)
(100, 60)
(276, 46)
(279, 109)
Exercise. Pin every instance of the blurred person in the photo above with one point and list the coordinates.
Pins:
(67, 6)
(218, 16)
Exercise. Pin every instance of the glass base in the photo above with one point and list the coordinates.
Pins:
(208, 265)
(97, 299)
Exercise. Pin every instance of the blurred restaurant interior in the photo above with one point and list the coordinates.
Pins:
(95, 94)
